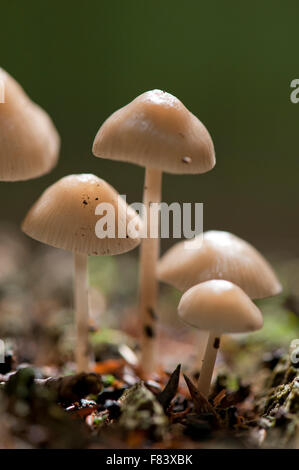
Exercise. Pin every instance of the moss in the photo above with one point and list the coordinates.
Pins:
(280, 413)
(108, 380)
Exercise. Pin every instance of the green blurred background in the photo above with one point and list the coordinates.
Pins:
(230, 62)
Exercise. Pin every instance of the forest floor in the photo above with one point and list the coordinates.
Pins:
(254, 401)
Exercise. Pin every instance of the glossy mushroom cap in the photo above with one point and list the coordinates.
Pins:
(29, 142)
(219, 306)
(221, 255)
(156, 130)
(64, 217)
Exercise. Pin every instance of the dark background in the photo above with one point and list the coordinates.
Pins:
(231, 63)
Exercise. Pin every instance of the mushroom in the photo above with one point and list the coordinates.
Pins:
(29, 142)
(218, 255)
(65, 217)
(157, 132)
(219, 307)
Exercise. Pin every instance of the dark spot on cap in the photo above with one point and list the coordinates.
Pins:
(148, 330)
(152, 313)
(186, 160)
(217, 343)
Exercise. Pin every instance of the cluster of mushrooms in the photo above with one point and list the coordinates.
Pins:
(218, 277)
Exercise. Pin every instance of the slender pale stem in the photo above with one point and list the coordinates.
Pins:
(148, 285)
(207, 369)
(202, 339)
(81, 311)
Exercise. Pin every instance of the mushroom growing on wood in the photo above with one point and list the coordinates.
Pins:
(29, 142)
(157, 132)
(219, 307)
(65, 217)
(218, 255)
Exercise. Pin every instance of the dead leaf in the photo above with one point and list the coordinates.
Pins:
(170, 391)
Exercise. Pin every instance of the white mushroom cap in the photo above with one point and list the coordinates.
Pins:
(156, 130)
(219, 306)
(221, 255)
(64, 217)
(29, 142)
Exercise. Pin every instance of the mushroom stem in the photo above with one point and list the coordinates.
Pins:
(202, 339)
(81, 311)
(206, 372)
(148, 285)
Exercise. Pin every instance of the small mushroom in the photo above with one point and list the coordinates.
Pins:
(218, 255)
(65, 217)
(29, 142)
(219, 307)
(157, 132)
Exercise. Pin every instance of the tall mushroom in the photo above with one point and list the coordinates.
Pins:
(29, 142)
(218, 255)
(158, 132)
(65, 217)
(219, 307)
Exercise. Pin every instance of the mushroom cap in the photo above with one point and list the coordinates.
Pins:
(219, 306)
(29, 142)
(156, 130)
(64, 217)
(220, 255)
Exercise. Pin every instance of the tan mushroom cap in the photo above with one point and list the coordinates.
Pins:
(221, 255)
(156, 130)
(29, 142)
(219, 306)
(64, 217)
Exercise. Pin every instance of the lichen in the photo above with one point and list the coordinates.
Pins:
(140, 410)
(280, 406)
